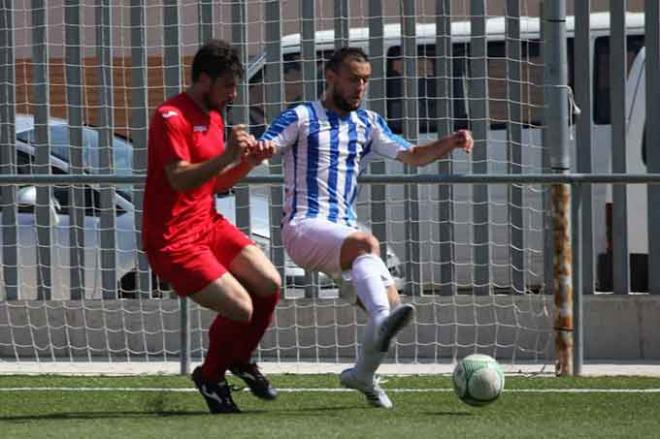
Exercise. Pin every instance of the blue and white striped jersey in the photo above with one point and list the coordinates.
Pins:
(323, 154)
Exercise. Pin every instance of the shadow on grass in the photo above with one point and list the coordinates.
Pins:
(302, 411)
(441, 413)
(102, 415)
(319, 409)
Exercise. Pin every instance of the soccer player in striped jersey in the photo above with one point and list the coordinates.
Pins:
(325, 144)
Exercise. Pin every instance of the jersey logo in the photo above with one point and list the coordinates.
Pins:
(200, 128)
(169, 114)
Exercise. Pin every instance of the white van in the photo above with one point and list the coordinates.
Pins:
(531, 148)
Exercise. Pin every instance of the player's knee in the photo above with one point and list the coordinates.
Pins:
(273, 282)
(243, 310)
(374, 245)
(356, 245)
(269, 281)
(362, 242)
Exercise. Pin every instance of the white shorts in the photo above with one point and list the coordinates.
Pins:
(315, 244)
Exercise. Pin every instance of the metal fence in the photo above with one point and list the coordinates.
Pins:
(610, 62)
(89, 90)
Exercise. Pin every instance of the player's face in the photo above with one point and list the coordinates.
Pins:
(349, 85)
(221, 92)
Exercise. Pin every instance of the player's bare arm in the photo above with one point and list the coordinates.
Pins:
(421, 155)
(183, 175)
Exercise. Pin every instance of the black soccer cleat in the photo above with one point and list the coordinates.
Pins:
(217, 395)
(392, 324)
(255, 380)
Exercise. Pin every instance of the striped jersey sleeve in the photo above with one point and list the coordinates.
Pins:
(383, 141)
(284, 130)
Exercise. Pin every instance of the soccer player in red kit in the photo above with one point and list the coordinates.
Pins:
(202, 255)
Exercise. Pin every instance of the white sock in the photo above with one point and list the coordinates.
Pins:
(372, 292)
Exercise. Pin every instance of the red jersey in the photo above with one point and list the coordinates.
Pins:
(179, 130)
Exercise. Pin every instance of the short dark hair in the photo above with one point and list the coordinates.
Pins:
(216, 58)
(340, 55)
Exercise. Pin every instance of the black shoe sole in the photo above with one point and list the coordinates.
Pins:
(394, 330)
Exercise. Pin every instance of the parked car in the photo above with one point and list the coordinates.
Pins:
(60, 207)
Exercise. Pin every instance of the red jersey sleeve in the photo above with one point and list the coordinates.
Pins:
(172, 135)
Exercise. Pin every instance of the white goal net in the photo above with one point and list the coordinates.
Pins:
(80, 80)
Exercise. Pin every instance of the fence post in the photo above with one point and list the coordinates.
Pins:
(618, 75)
(445, 119)
(556, 99)
(584, 100)
(273, 106)
(41, 78)
(9, 209)
(377, 102)
(139, 130)
(479, 120)
(577, 190)
(410, 130)
(185, 336)
(310, 93)
(240, 109)
(516, 193)
(74, 96)
(652, 43)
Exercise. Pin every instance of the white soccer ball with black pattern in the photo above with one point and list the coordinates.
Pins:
(478, 380)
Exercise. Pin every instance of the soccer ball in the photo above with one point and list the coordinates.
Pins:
(478, 380)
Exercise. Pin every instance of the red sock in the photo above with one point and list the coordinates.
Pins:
(225, 336)
(264, 307)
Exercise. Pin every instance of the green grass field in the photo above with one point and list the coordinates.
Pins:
(308, 407)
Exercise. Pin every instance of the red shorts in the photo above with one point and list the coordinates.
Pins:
(190, 268)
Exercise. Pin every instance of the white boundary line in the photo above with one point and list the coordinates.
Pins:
(650, 369)
(312, 390)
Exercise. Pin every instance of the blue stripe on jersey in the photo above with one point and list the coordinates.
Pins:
(312, 162)
(365, 150)
(350, 211)
(388, 132)
(294, 203)
(350, 168)
(280, 124)
(333, 208)
(364, 117)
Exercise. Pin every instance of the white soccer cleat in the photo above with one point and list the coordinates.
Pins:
(375, 395)
(392, 324)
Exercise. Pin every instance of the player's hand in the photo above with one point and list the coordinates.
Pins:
(463, 139)
(262, 150)
(240, 142)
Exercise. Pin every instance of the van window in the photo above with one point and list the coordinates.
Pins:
(293, 87)
(531, 84)
(602, 115)
(426, 88)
